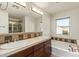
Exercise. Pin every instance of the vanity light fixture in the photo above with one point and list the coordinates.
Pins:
(23, 4)
(36, 10)
(12, 22)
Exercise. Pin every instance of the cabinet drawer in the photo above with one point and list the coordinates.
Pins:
(23, 53)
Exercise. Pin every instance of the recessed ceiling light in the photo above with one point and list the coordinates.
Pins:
(12, 22)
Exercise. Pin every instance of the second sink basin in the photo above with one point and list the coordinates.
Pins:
(13, 45)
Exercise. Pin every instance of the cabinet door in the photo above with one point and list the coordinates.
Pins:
(47, 48)
(39, 50)
(30, 55)
(23, 53)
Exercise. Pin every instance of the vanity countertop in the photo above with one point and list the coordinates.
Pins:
(13, 47)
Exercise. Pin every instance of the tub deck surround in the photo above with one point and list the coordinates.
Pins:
(65, 39)
(60, 49)
(13, 47)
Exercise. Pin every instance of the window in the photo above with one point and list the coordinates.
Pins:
(62, 26)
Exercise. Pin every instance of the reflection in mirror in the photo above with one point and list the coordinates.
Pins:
(16, 18)
(15, 25)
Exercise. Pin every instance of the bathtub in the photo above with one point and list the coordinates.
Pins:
(60, 49)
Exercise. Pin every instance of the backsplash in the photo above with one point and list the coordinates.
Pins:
(2, 39)
(11, 37)
(65, 40)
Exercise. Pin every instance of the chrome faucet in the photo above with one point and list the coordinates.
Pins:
(71, 48)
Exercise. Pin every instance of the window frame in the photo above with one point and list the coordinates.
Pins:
(56, 25)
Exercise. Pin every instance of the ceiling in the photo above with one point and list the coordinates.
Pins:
(54, 7)
(49, 7)
(16, 11)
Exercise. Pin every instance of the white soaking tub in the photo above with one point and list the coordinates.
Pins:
(61, 49)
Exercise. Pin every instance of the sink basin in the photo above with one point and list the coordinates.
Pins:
(18, 44)
(13, 45)
(8, 46)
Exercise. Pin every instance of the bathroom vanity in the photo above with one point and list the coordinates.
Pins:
(25, 45)
(38, 50)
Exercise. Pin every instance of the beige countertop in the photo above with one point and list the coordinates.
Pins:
(13, 47)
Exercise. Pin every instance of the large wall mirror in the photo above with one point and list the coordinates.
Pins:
(20, 18)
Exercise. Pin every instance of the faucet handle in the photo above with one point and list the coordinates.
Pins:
(75, 50)
(69, 49)
(78, 48)
(70, 46)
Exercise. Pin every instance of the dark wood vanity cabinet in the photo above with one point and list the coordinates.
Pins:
(47, 48)
(40, 50)
(23, 53)
(43, 49)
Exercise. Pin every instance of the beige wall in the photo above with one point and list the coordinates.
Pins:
(46, 24)
(74, 23)
(4, 22)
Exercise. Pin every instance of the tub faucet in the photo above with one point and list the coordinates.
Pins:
(71, 48)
